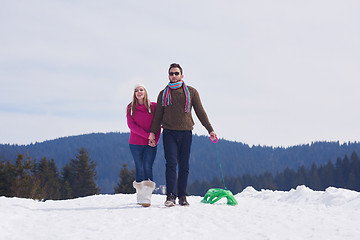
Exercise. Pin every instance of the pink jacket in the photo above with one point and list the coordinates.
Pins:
(140, 125)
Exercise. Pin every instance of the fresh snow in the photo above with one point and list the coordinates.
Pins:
(298, 214)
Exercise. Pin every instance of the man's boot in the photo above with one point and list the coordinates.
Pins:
(170, 200)
(182, 201)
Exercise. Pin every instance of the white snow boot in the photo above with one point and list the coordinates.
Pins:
(139, 191)
(148, 187)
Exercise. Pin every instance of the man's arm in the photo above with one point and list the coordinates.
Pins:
(200, 112)
(156, 122)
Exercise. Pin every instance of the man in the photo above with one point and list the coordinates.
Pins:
(173, 112)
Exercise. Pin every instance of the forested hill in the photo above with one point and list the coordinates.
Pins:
(110, 151)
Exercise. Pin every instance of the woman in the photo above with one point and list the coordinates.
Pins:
(139, 115)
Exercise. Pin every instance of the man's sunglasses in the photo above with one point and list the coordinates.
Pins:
(174, 73)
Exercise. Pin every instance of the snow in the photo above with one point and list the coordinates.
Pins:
(297, 214)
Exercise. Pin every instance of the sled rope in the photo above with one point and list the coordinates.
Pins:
(215, 194)
(218, 157)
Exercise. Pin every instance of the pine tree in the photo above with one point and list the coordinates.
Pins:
(194, 188)
(65, 188)
(216, 183)
(315, 183)
(126, 179)
(46, 172)
(7, 170)
(327, 175)
(340, 178)
(24, 182)
(268, 181)
(205, 186)
(287, 179)
(353, 182)
(300, 177)
(234, 184)
(80, 174)
(346, 167)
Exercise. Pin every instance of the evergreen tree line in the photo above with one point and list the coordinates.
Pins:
(345, 173)
(27, 178)
(111, 150)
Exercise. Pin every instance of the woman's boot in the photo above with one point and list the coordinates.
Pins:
(148, 187)
(139, 191)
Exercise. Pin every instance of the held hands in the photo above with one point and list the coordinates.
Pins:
(152, 142)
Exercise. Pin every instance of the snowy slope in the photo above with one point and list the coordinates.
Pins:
(297, 214)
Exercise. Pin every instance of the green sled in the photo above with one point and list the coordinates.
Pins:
(215, 194)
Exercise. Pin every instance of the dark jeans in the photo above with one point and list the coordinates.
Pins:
(144, 157)
(177, 146)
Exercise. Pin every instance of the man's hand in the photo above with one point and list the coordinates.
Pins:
(213, 136)
(152, 142)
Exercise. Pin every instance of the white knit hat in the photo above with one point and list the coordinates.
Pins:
(139, 85)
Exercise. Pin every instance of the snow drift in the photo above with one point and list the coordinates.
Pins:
(298, 214)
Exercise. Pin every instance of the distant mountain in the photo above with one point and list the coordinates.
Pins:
(110, 151)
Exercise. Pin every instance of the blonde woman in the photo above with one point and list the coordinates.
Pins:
(139, 115)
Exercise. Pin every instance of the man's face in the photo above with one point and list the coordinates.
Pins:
(175, 75)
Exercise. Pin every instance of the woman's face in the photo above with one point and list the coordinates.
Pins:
(140, 93)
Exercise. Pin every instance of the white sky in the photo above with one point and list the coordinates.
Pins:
(275, 73)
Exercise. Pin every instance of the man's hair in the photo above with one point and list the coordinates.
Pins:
(176, 65)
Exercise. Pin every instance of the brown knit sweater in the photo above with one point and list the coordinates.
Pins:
(174, 117)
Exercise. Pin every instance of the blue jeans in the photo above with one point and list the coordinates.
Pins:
(144, 157)
(177, 146)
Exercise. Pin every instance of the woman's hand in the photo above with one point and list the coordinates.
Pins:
(152, 142)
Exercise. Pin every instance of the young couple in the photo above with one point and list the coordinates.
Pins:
(172, 112)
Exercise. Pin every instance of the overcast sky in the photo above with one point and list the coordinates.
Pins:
(275, 73)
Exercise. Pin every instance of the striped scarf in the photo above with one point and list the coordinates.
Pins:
(166, 99)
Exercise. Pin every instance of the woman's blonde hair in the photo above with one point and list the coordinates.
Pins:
(132, 106)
